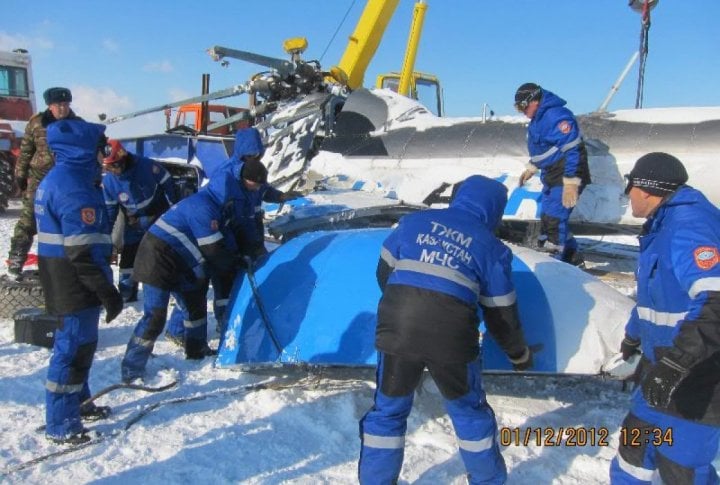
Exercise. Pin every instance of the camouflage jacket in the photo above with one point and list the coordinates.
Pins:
(36, 159)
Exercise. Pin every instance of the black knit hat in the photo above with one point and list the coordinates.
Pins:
(254, 171)
(57, 95)
(526, 93)
(657, 174)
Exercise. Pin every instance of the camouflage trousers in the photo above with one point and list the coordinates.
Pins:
(25, 230)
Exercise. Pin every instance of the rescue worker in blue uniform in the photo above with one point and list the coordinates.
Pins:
(245, 165)
(74, 250)
(558, 151)
(178, 255)
(143, 190)
(673, 427)
(248, 226)
(434, 270)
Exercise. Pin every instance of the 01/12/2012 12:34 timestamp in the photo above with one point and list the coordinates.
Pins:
(583, 436)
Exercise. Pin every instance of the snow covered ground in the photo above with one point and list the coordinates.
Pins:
(301, 428)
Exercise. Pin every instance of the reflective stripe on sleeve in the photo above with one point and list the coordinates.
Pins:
(84, 239)
(144, 203)
(543, 156)
(212, 238)
(496, 301)
(180, 237)
(386, 442)
(660, 318)
(388, 257)
(571, 144)
(49, 238)
(704, 284)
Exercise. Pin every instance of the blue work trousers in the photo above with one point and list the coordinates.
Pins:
(653, 443)
(383, 428)
(67, 378)
(193, 307)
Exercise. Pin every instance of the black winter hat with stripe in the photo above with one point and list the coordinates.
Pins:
(657, 173)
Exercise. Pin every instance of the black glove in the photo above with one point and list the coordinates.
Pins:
(21, 184)
(522, 361)
(259, 252)
(629, 347)
(661, 382)
(243, 262)
(291, 195)
(113, 305)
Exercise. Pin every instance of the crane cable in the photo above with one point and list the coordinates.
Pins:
(352, 4)
(644, 34)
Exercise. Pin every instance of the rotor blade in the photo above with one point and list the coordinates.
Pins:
(258, 110)
(224, 93)
(243, 115)
(282, 66)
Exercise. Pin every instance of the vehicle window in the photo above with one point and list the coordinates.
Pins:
(427, 93)
(13, 81)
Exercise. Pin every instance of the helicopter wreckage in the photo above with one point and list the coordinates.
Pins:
(363, 158)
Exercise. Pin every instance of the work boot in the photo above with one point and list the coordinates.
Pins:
(129, 376)
(72, 439)
(17, 255)
(574, 257)
(198, 350)
(132, 297)
(91, 412)
(14, 268)
(128, 291)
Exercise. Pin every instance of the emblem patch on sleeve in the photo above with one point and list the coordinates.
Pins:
(88, 215)
(706, 257)
(564, 127)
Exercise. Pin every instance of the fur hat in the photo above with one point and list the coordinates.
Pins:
(57, 95)
(657, 173)
(254, 171)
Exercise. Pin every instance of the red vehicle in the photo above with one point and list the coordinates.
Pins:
(17, 105)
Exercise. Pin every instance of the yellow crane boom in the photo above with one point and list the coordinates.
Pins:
(412, 48)
(364, 41)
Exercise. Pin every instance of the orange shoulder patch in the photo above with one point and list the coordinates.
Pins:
(706, 257)
(564, 127)
(88, 215)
